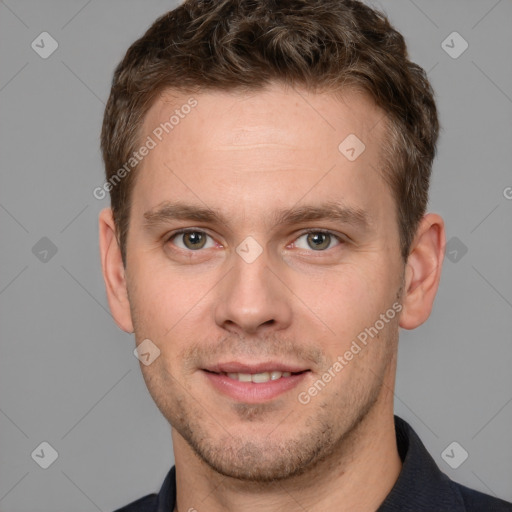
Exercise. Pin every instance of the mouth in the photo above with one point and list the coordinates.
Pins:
(257, 378)
(254, 383)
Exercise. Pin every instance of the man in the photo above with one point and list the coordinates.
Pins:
(268, 165)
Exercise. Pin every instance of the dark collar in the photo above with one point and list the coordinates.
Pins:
(421, 486)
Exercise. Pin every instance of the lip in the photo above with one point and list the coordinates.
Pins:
(266, 366)
(250, 392)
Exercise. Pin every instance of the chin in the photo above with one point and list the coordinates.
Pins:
(263, 459)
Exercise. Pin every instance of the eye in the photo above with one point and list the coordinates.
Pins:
(192, 240)
(317, 240)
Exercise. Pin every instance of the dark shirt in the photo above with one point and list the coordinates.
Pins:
(420, 487)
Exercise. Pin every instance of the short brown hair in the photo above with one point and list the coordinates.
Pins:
(322, 45)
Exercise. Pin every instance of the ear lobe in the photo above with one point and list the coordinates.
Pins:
(113, 271)
(423, 271)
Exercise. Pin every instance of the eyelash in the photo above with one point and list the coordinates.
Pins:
(339, 238)
(184, 231)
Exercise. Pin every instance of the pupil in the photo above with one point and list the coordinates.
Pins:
(194, 240)
(319, 240)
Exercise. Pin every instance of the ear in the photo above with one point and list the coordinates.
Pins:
(423, 271)
(114, 272)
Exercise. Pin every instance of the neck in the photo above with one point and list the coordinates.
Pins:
(358, 475)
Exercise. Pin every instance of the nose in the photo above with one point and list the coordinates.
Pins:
(252, 299)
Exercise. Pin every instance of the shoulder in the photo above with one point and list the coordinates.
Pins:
(146, 504)
(422, 486)
(476, 501)
(164, 500)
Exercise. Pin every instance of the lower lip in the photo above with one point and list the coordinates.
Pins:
(251, 392)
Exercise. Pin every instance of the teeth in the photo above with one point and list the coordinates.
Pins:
(258, 377)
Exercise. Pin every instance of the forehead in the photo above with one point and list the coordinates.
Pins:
(274, 115)
(271, 145)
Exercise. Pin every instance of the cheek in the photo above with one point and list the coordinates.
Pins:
(162, 294)
(170, 310)
(347, 300)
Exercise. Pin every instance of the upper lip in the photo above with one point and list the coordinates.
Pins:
(266, 366)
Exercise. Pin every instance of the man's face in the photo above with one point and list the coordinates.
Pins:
(270, 284)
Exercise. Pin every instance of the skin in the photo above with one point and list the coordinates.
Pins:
(247, 156)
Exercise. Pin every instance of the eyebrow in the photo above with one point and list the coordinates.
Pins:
(169, 211)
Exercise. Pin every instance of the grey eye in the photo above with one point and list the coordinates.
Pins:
(316, 240)
(192, 240)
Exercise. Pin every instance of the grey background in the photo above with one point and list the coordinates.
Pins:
(67, 373)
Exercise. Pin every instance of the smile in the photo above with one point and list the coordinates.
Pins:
(254, 387)
(258, 378)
